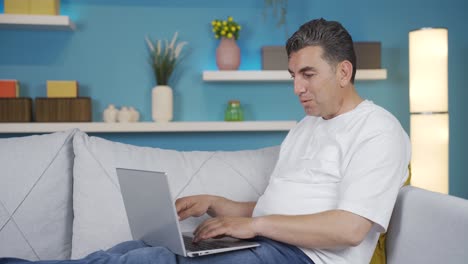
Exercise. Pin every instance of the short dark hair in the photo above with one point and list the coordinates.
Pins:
(336, 42)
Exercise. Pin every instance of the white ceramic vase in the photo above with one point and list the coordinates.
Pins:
(110, 114)
(135, 114)
(124, 115)
(162, 103)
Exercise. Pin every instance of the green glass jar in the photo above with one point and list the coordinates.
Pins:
(234, 111)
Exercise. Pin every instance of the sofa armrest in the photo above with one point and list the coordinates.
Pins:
(428, 227)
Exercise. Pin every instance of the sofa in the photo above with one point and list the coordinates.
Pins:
(60, 197)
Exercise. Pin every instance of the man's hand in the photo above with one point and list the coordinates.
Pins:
(196, 205)
(238, 227)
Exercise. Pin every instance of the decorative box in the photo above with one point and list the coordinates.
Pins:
(63, 109)
(274, 58)
(62, 89)
(16, 6)
(367, 55)
(15, 109)
(44, 7)
(9, 89)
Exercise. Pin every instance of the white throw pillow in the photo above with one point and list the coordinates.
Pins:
(35, 196)
(100, 220)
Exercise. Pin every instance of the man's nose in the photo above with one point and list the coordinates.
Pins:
(298, 87)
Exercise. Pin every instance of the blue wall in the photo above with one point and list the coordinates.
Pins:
(107, 54)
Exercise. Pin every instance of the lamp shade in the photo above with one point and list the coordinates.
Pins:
(428, 53)
(430, 151)
(428, 64)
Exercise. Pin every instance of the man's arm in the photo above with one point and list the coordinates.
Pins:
(329, 229)
(215, 206)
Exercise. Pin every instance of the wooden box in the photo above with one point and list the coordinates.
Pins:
(16, 109)
(274, 58)
(367, 55)
(63, 109)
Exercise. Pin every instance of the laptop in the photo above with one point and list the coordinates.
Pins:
(152, 216)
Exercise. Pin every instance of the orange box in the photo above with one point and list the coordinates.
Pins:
(9, 89)
(16, 6)
(44, 7)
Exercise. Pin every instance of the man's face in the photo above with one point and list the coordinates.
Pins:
(315, 82)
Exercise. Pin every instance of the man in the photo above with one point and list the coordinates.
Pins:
(336, 180)
(339, 170)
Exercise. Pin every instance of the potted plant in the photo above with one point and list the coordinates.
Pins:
(228, 52)
(164, 57)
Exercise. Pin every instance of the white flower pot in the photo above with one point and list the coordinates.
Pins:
(162, 103)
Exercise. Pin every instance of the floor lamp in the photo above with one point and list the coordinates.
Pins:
(428, 66)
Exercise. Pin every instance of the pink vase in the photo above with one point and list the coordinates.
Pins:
(228, 54)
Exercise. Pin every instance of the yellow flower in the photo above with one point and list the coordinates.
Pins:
(225, 28)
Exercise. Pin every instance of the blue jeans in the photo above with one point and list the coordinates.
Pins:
(270, 251)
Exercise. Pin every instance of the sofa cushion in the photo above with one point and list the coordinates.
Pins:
(35, 196)
(100, 219)
(427, 227)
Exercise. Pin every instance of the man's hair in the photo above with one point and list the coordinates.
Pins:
(331, 36)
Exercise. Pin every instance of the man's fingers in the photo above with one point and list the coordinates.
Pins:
(183, 216)
(186, 212)
(203, 225)
(209, 229)
(181, 204)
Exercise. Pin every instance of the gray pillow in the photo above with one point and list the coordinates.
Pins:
(100, 219)
(35, 196)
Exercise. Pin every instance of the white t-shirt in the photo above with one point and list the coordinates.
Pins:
(356, 162)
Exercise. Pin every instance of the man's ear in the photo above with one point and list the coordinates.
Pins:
(345, 71)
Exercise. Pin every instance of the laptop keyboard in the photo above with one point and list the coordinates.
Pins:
(202, 245)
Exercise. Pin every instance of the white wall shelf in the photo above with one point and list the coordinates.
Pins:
(276, 76)
(101, 127)
(36, 22)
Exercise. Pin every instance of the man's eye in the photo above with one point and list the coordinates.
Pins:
(308, 75)
(292, 77)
